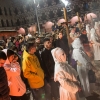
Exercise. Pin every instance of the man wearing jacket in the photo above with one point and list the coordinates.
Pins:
(33, 71)
(48, 67)
(4, 89)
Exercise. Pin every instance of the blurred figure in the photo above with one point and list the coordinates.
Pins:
(4, 89)
(62, 42)
(48, 67)
(95, 40)
(16, 85)
(65, 75)
(12, 42)
(33, 71)
(83, 66)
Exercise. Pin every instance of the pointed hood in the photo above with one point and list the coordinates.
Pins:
(77, 44)
(57, 53)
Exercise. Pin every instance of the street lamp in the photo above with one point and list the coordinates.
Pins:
(37, 16)
(65, 2)
(65, 16)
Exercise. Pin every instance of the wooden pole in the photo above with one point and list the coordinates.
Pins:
(86, 16)
(67, 29)
(79, 21)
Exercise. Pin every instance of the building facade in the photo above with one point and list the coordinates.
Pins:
(22, 13)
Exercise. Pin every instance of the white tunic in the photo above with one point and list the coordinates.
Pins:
(66, 78)
(95, 38)
(80, 56)
(88, 32)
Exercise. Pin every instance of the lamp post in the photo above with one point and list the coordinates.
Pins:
(66, 19)
(37, 17)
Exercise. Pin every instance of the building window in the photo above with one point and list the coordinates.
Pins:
(16, 11)
(0, 11)
(12, 23)
(10, 12)
(7, 23)
(5, 11)
(2, 23)
(18, 22)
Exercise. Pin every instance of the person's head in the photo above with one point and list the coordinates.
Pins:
(47, 43)
(15, 58)
(31, 48)
(32, 39)
(58, 55)
(2, 43)
(10, 55)
(26, 37)
(60, 35)
(3, 58)
(1, 48)
(8, 40)
(21, 39)
(51, 39)
(77, 44)
(13, 39)
(14, 48)
(38, 40)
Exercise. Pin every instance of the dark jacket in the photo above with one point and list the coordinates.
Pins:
(10, 44)
(4, 89)
(63, 43)
(38, 55)
(48, 63)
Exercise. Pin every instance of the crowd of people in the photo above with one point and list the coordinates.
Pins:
(48, 66)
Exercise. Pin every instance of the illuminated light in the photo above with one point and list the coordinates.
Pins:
(65, 2)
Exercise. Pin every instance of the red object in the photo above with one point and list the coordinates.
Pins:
(32, 28)
(75, 19)
(48, 25)
(61, 21)
(89, 15)
(21, 31)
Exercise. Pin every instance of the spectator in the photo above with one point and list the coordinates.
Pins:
(33, 71)
(12, 42)
(4, 89)
(62, 42)
(16, 85)
(48, 64)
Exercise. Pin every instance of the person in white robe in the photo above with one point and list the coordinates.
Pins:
(65, 75)
(83, 65)
(73, 34)
(95, 39)
(88, 32)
